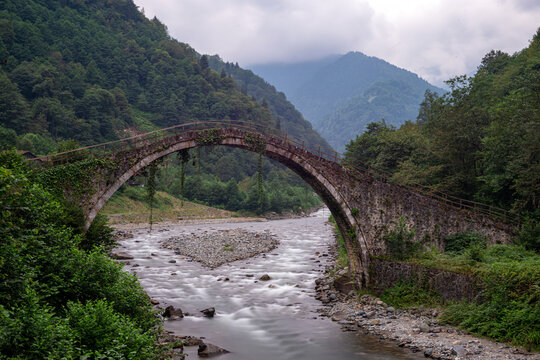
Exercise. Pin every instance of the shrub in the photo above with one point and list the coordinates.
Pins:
(459, 242)
(529, 235)
(407, 293)
(399, 244)
(102, 333)
(98, 235)
(30, 330)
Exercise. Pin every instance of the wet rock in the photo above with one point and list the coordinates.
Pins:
(265, 277)
(172, 261)
(209, 350)
(210, 312)
(191, 341)
(154, 302)
(428, 353)
(121, 256)
(172, 313)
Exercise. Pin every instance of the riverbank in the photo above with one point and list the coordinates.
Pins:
(256, 316)
(418, 329)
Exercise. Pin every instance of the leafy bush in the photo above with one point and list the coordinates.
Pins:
(509, 307)
(399, 244)
(99, 234)
(407, 293)
(102, 333)
(529, 236)
(459, 242)
(32, 331)
(43, 269)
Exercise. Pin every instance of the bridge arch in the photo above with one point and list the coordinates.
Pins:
(304, 163)
(365, 205)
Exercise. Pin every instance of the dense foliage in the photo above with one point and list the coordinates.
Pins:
(480, 141)
(94, 71)
(236, 187)
(91, 71)
(56, 299)
(341, 95)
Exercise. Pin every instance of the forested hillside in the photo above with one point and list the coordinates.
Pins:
(285, 114)
(481, 141)
(95, 71)
(340, 96)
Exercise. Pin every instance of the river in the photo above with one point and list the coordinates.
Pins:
(255, 320)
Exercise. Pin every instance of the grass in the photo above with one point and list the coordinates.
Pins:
(131, 207)
(342, 259)
(507, 309)
(407, 294)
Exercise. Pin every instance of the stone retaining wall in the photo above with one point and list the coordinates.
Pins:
(383, 274)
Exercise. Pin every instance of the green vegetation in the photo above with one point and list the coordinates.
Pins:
(129, 205)
(60, 295)
(260, 188)
(341, 95)
(507, 308)
(80, 73)
(399, 242)
(342, 259)
(407, 294)
(478, 142)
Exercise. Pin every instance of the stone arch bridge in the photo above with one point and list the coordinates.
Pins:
(364, 204)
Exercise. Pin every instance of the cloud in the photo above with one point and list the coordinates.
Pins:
(436, 39)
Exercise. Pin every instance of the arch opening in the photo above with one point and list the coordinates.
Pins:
(297, 162)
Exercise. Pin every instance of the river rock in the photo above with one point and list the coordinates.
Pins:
(191, 341)
(208, 350)
(265, 277)
(343, 284)
(459, 351)
(172, 313)
(121, 256)
(424, 327)
(209, 312)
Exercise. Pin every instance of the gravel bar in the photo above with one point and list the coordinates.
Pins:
(217, 248)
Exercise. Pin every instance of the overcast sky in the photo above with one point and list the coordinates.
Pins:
(437, 39)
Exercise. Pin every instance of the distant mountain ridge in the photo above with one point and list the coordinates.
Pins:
(340, 95)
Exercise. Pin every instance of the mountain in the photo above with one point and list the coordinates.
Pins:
(341, 95)
(285, 114)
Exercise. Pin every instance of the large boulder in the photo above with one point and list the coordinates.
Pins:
(172, 313)
(210, 312)
(121, 256)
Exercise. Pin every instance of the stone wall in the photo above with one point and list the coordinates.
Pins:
(383, 274)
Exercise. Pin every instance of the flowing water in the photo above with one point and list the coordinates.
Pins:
(255, 320)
